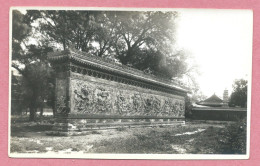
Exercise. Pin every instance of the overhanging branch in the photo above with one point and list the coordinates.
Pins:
(19, 70)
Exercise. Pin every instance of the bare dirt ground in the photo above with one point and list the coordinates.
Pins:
(191, 138)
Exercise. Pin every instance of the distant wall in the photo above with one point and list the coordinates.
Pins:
(219, 114)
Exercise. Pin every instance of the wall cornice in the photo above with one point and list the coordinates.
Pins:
(80, 62)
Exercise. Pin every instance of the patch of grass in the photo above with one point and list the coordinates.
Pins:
(17, 147)
(228, 140)
(206, 142)
(95, 132)
(233, 138)
(26, 145)
(21, 124)
(121, 129)
(141, 142)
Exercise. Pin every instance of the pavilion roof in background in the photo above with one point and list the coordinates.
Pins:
(213, 101)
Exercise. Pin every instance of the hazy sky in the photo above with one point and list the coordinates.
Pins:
(221, 43)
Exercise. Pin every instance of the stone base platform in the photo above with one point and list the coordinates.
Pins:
(69, 127)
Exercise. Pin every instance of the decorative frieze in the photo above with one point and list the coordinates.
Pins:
(95, 98)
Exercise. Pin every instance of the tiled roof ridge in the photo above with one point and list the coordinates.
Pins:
(213, 98)
(71, 53)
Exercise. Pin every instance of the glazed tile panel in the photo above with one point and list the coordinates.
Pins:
(99, 97)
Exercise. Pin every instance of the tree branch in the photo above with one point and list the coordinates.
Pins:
(19, 70)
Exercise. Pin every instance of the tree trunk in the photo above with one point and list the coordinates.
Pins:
(41, 111)
(64, 44)
(33, 108)
(32, 114)
(54, 112)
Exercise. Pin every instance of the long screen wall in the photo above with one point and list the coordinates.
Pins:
(95, 96)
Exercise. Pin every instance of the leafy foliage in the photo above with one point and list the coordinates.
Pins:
(66, 27)
(143, 40)
(36, 85)
(233, 138)
(239, 94)
(20, 30)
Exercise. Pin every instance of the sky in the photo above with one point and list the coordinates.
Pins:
(220, 42)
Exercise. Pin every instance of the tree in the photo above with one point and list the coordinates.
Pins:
(31, 62)
(37, 83)
(66, 27)
(239, 95)
(38, 86)
(20, 30)
(143, 40)
(17, 105)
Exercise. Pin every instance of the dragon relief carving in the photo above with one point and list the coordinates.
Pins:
(122, 104)
(102, 98)
(173, 105)
(138, 104)
(83, 100)
(157, 106)
(167, 107)
(148, 105)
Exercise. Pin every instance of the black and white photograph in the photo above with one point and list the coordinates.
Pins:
(130, 83)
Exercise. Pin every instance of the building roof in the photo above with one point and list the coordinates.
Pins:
(214, 98)
(213, 101)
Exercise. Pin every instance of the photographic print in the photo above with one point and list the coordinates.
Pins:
(126, 83)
